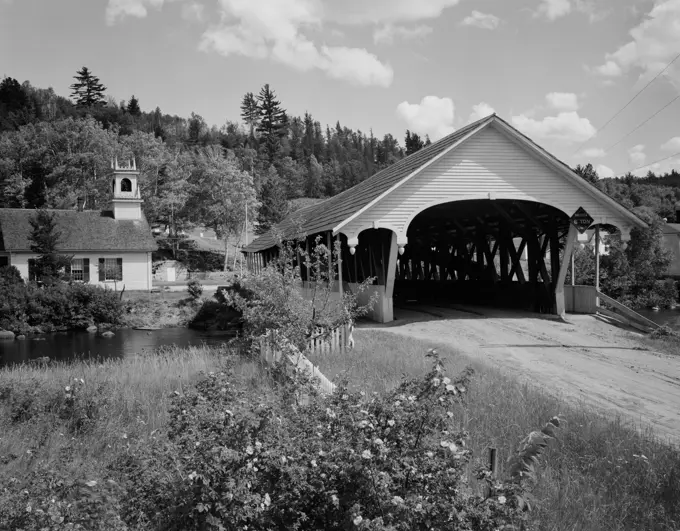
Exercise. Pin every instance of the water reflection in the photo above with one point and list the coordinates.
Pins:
(64, 346)
(670, 318)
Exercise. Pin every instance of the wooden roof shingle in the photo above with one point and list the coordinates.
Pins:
(80, 231)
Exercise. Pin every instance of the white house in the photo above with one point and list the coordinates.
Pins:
(110, 247)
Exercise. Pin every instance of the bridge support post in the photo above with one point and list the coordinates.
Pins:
(561, 277)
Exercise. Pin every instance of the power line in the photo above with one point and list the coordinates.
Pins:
(625, 106)
(655, 162)
(643, 123)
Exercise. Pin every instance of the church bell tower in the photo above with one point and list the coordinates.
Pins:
(126, 202)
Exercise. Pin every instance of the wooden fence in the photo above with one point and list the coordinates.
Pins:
(321, 342)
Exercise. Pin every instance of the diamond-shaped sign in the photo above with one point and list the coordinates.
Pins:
(582, 220)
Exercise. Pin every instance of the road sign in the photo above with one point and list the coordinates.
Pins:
(582, 220)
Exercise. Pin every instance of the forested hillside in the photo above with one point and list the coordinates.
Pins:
(54, 149)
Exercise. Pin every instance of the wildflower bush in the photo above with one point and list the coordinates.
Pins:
(272, 299)
(195, 289)
(392, 462)
(26, 308)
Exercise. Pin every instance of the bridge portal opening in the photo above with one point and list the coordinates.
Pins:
(503, 253)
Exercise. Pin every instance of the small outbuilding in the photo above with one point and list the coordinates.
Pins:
(109, 248)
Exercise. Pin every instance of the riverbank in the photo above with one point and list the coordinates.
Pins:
(158, 310)
(67, 426)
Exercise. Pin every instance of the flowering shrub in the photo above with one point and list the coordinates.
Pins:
(195, 289)
(393, 462)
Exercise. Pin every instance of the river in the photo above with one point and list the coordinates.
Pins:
(670, 318)
(65, 346)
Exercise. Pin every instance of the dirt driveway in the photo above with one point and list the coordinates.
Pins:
(586, 359)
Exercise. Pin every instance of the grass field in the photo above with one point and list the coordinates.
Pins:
(601, 474)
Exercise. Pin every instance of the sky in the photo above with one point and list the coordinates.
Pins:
(558, 70)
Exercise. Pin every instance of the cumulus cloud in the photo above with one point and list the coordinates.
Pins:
(566, 127)
(432, 116)
(479, 111)
(637, 156)
(481, 20)
(119, 9)
(388, 33)
(604, 171)
(672, 145)
(593, 153)
(553, 9)
(273, 29)
(563, 101)
(652, 45)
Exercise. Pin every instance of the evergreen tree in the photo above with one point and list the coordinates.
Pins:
(12, 95)
(273, 203)
(45, 238)
(273, 122)
(88, 91)
(133, 106)
(587, 172)
(250, 112)
(413, 143)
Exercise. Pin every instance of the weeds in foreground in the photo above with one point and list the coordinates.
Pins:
(602, 474)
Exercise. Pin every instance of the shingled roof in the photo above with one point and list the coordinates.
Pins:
(331, 213)
(81, 231)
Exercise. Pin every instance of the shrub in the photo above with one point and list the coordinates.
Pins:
(394, 462)
(57, 306)
(195, 289)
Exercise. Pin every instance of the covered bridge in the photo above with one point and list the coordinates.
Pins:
(452, 222)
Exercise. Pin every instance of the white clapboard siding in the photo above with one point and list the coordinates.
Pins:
(488, 162)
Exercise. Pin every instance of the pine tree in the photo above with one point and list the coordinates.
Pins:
(273, 203)
(413, 143)
(88, 91)
(250, 112)
(45, 238)
(133, 106)
(273, 122)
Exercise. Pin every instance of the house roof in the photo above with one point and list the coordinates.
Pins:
(336, 211)
(80, 231)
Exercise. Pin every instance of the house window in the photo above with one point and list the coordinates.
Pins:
(4, 261)
(110, 269)
(77, 269)
(31, 270)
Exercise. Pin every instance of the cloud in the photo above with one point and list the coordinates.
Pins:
(193, 12)
(604, 171)
(563, 101)
(593, 153)
(479, 111)
(553, 9)
(119, 9)
(387, 33)
(637, 156)
(566, 127)
(272, 29)
(653, 44)
(672, 145)
(432, 116)
(481, 20)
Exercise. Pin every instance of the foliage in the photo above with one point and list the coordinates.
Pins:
(390, 462)
(413, 143)
(45, 238)
(271, 299)
(57, 306)
(87, 90)
(195, 289)
(272, 122)
(588, 173)
(273, 207)
(133, 106)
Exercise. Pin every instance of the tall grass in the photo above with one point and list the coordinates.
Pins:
(602, 473)
(128, 399)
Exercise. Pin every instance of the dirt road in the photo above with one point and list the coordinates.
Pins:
(585, 359)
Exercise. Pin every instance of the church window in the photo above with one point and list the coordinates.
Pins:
(125, 185)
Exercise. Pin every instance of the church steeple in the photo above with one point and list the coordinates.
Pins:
(126, 201)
